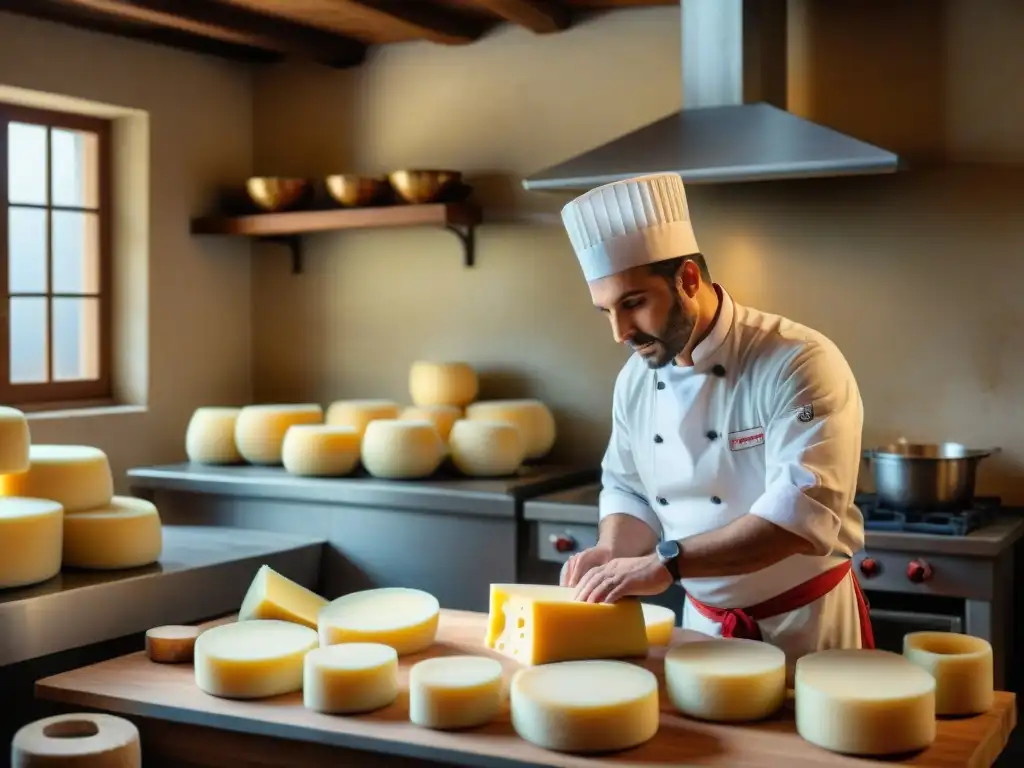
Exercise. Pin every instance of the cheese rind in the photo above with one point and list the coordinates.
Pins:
(359, 413)
(532, 418)
(252, 659)
(405, 619)
(320, 450)
(260, 429)
(14, 441)
(210, 436)
(126, 533)
(451, 692)
(962, 668)
(401, 450)
(486, 448)
(443, 417)
(864, 702)
(171, 644)
(440, 383)
(350, 678)
(273, 596)
(78, 477)
(659, 622)
(31, 538)
(540, 624)
(585, 706)
(726, 680)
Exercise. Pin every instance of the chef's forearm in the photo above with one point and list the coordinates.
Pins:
(626, 536)
(745, 545)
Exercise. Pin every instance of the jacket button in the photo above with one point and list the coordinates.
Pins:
(716, 500)
(662, 500)
(712, 435)
(657, 438)
(661, 385)
(718, 370)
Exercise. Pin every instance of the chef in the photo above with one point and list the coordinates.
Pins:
(735, 444)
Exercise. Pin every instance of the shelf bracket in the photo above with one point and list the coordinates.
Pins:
(294, 244)
(466, 234)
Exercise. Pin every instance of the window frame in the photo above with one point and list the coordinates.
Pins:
(41, 393)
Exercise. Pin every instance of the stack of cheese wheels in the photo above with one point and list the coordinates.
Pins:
(486, 448)
(401, 450)
(260, 429)
(962, 668)
(320, 450)
(442, 383)
(402, 618)
(532, 418)
(358, 414)
(210, 437)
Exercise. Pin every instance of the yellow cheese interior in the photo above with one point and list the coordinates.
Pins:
(273, 596)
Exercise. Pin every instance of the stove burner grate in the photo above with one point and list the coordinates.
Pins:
(955, 523)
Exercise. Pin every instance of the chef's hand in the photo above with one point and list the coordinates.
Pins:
(624, 577)
(577, 566)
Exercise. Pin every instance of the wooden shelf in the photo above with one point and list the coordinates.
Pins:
(289, 227)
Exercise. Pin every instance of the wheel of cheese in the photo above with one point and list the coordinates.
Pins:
(659, 621)
(260, 429)
(210, 437)
(438, 383)
(406, 619)
(401, 450)
(350, 678)
(359, 413)
(14, 441)
(486, 448)
(452, 692)
(76, 476)
(252, 659)
(726, 680)
(77, 740)
(532, 417)
(171, 644)
(31, 537)
(443, 417)
(126, 533)
(585, 706)
(320, 450)
(273, 596)
(961, 666)
(864, 702)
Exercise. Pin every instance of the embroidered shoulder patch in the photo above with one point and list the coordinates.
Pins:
(805, 413)
(747, 438)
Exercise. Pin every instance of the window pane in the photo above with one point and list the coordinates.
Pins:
(26, 163)
(74, 168)
(26, 241)
(76, 248)
(76, 339)
(28, 340)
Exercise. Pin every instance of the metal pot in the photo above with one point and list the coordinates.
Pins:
(925, 476)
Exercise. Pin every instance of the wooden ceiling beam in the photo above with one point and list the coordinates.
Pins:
(540, 16)
(421, 19)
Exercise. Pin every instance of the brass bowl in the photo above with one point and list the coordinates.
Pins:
(419, 187)
(272, 193)
(354, 191)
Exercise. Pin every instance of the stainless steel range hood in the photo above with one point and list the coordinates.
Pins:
(734, 125)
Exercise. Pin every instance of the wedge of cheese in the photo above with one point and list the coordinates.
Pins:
(539, 624)
(273, 596)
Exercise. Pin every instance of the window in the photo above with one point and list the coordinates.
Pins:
(55, 249)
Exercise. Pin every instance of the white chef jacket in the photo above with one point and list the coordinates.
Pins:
(766, 422)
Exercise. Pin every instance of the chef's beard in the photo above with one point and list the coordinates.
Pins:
(670, 341)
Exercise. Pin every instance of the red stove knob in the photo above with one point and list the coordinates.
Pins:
(869, 567)
(919, 571)
(562, 543)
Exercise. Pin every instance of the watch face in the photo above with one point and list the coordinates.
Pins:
(668, 550)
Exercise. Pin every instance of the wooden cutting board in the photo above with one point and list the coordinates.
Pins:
(255, 733)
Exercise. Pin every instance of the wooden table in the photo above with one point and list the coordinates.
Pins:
(182, 725)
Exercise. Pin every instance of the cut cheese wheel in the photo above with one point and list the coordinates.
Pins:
(31, 536)
(864, 702)
(273, 596)
(726, 680)
(659, 621)
(126, 533)
(76, 476)
(350, 678)
(961, 666)
(443, 417)
(401, 450)
(14, 441)
(260, 429)
(532, 418)
(406, 619)
(433, 383)
(171, 644)
(528, 622)
(320, 450)
(252, 659)
(210, 437)
(486, 448)
(452, 692)
(359, 413)
(585, 706)
(77, 740)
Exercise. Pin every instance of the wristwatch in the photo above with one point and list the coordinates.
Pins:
(668, 555)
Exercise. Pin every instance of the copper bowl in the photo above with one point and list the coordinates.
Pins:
(272, 193)
(418, 187)
(354, 191)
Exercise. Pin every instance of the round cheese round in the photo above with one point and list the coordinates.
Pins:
(320, 450)
(260, 429)
(31, 536)
(660, 621)
(350, 678)
(486, 448)
(14, 441)
(864, 702)
(961, 666)
(726, 680)
(532, 417)
(439, 383)
(172, 643)
(126, 533)
(359, 413)
(401, 450)
(77, 740)
(252, 659)
(210, 437)
(76, 476)
(585, 706)
(441, 416)
(452, 692)
(405, 619)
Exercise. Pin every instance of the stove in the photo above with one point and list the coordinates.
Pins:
(982, 512)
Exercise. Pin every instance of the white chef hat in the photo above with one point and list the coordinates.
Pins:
(627, 223)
